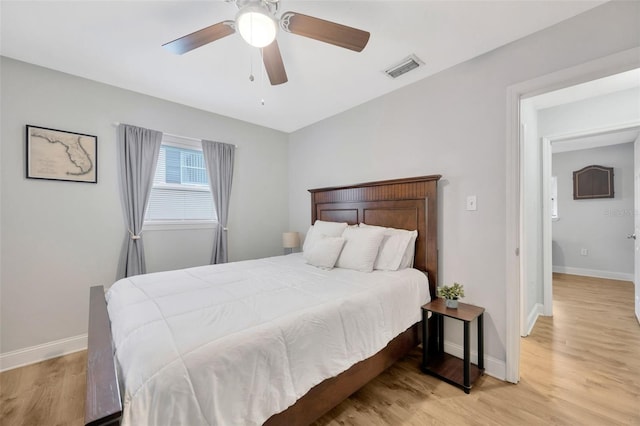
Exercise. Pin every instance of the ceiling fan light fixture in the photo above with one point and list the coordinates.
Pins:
(256, 26)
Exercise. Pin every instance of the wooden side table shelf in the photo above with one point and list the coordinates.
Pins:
(458, 372)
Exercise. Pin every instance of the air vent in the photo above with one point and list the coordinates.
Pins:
(410, 63)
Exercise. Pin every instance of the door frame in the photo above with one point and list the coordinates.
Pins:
(599, 68)
(636, 225)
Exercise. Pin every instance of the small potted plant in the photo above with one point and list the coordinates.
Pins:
(451, 294)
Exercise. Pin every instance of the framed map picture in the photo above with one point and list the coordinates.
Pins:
(60, 155)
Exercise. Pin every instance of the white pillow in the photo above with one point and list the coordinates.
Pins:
(360, 249)
(324, 252)
(307, 239)
(397, 249)
(409, 255)
(320, 228)
(392, 249)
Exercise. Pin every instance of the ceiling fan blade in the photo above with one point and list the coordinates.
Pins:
(273, 64)
(201, 37)
(326, 31)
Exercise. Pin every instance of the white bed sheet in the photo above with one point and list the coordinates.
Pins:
(234, 344)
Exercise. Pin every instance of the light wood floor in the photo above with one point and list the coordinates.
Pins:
(581, 367)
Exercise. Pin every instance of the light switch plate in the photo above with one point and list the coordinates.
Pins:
(471, 203)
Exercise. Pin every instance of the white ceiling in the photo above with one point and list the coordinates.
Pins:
(119, 43)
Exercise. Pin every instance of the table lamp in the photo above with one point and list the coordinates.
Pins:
(290, 240)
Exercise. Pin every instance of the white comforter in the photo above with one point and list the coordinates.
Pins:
(236, 343)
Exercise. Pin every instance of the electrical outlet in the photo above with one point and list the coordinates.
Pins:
(471, 203)
(584, 252)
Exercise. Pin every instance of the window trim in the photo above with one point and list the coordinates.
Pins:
(178, 225)
(181, 187)
(181, 143)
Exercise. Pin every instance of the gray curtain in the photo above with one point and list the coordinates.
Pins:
(138, 151)
(219, 159)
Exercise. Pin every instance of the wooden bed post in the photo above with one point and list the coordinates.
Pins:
(102, 403)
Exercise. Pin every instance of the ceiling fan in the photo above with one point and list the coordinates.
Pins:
(257, 23)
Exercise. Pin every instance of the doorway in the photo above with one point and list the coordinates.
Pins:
(602, 252)
(603, 67)
(599, 252)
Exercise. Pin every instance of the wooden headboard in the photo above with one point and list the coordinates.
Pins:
(410, 203)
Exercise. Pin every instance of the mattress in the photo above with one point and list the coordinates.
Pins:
(234, 344)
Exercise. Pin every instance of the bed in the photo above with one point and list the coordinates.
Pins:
(404, 203)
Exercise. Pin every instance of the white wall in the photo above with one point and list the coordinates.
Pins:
(60, 238)
(599, 225)
(453, 123)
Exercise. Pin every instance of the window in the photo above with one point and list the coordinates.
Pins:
(180, 192)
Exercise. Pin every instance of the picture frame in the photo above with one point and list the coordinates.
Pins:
(593, 182)
(61, 155)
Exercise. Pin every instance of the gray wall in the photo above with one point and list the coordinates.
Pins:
(453, 123)
(599, 225)
(60, 238)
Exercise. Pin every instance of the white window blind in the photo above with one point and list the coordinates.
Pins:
(180, 190)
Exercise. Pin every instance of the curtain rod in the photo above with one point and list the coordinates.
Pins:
(116, 124)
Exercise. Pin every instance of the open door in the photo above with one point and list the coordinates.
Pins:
(636, 230)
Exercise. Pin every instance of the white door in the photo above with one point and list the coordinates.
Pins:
(636, 205)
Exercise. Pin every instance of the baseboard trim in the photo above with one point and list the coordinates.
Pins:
(596, 273)
(538, 309)
(33, 354)
(492, 366)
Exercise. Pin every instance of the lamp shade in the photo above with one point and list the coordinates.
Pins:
(256, 26)
(290, 239)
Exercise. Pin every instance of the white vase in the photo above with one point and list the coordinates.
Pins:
(451, 303)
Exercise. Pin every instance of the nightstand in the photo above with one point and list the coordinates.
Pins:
(458, 372)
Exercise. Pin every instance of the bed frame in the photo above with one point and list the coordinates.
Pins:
(401, 203)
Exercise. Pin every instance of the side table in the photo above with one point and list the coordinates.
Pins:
(458, 372)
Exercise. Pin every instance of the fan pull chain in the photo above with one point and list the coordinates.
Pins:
(251, 65)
